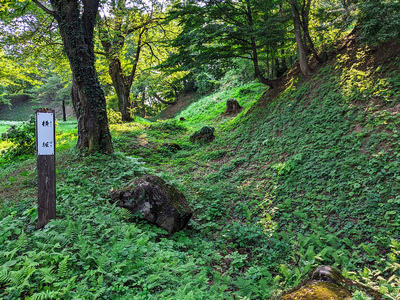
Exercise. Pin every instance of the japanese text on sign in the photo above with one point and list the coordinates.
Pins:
(45, 134)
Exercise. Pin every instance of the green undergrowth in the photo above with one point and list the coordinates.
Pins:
(149, 139)
(94, 250)
(4, 126)
(20, 109)
(306, 179)
(209, 110)
(309, 178)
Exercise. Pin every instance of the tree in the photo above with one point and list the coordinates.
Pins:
(125, 21)
(215, 30)
(32, 42)
(76, 21)
(301, 48)
(301, 18)
(378, 21)
(15, 77)
(53, 88)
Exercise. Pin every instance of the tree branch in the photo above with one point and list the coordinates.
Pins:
(136, 61)
(151, 50)
(228, 16)
(45, 9)
(162, 101)
(100, 53)
(238, 39)
(130, 30)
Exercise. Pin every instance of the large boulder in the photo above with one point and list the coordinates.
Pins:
(327, 283)
(158, 202)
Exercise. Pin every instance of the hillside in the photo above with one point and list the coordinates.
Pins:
(306, 175)
(21, 107)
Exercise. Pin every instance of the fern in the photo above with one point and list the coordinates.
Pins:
(21, 240)
(44, 295)
(4, 276)
(20, 279)
(102, 261)
(245, 287)
(10, 254)
(99, 293)
(58, 238)
(48, 276)
(10, 263)
(63, 267)
(30, 263)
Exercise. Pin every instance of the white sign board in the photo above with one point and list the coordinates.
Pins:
(45, 133)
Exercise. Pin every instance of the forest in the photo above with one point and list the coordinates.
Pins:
(276, 121)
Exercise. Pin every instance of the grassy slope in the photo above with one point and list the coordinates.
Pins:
(22, 108)
(318, 166)
(308, 175)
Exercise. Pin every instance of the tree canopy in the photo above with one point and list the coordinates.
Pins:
(145, 51)
(215, 30)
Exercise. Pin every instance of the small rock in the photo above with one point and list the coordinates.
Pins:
(232, 107)
(173, 147)
(205, 134)
(329, 274)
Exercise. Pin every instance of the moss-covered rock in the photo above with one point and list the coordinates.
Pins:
(319, 290)
(326, 283)
(158, 202)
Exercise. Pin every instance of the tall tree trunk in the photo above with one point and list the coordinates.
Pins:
(76, 24)
(143, 105)
(282, 44)
(257, 71)
(280, 67)
(305, 12)
(63, 111)
(305, 69)
(254, 56)
(284, 65)
(122, 89)
(122, 83)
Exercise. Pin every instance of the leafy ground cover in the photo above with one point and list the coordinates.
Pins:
(307, 178)
(4, 126)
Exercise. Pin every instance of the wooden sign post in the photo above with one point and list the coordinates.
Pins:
(46, 165)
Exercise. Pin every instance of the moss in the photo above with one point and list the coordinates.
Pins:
(315, 290)
(328, 283)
